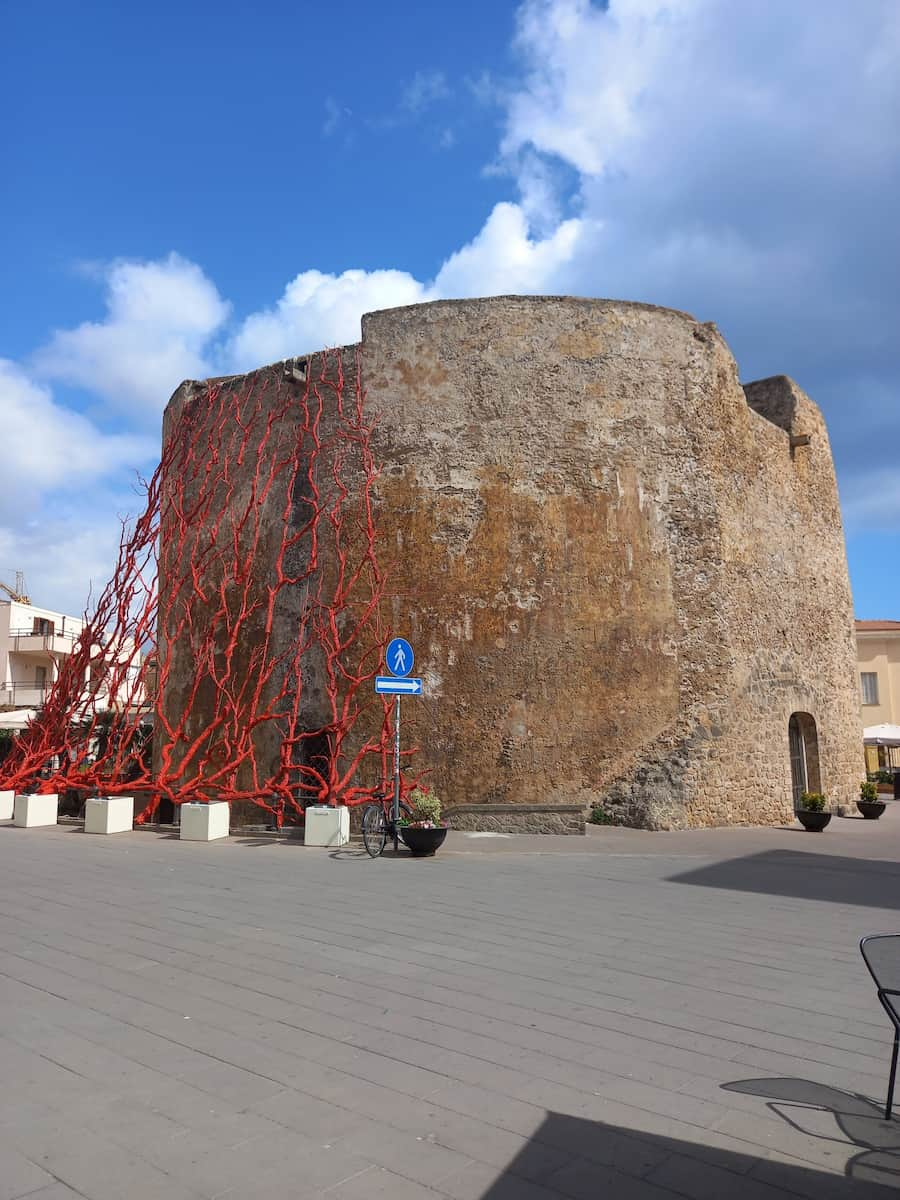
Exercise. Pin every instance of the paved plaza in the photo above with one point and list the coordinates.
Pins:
(627, 1015)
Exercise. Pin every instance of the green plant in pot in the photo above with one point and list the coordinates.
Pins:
(883, 780)
(868, 803)
(424, 831)
(811, 812)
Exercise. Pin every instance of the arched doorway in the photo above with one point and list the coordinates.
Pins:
(803, 742)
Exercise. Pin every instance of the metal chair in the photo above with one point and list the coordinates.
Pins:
(881, 954)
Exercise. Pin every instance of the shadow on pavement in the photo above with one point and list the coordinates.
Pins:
(575, 1157)
(872, 883)
(858, 1122)
(356, 852)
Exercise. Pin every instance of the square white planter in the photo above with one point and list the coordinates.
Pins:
(31, 810)
(204, 822)
(109, 814)
(7, 802)
(327, 826)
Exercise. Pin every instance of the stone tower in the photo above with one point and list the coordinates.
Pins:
(623, 573)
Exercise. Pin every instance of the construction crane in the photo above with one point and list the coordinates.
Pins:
(17, 593)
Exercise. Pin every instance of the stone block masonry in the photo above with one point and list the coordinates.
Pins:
(623, 573)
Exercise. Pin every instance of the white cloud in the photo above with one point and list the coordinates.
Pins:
(64, 481)
(160, 318)
(318, 310)
(67, 553)
(424, 89)
(332, 116)
(47, 446)
(505, 257)
(586, 72)
(484, 89)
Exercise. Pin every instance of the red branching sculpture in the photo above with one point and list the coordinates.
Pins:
(245, 607)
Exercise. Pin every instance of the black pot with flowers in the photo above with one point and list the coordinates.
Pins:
(869, 803)
(811, 813)
(424, 831)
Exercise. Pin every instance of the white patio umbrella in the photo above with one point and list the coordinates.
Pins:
(19, 718)
(882, 735)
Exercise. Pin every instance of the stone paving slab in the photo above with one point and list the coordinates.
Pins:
(625, 1014)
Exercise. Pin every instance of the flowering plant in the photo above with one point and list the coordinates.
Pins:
(812, 802)
(426, 810)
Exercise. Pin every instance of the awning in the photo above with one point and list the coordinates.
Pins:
(882, 735)
(17, 719)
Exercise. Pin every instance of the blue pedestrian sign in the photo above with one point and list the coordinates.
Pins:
(390, 685)
(399, 657)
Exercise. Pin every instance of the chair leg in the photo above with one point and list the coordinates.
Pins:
(890, 1095)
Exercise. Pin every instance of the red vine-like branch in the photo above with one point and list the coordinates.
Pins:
(232, 654)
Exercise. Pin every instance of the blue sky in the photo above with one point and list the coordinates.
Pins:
(200, 187)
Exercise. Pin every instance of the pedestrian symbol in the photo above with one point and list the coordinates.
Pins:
(399, 656)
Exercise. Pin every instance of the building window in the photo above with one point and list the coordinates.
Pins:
(869, 681)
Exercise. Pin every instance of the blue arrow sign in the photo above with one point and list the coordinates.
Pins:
(388, 685)
(399, 656)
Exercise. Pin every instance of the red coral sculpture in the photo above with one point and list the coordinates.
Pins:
(232, 655)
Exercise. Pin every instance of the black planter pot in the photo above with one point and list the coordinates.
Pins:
(813, 822)
(871, 809)
(422, 842)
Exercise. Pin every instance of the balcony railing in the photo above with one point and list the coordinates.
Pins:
(24, 695)
(33, 695)
(26, 641)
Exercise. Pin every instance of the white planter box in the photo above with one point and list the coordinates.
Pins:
(32, 810)
(204, 822)
(327, 826)
(7, 801)
(109, 814)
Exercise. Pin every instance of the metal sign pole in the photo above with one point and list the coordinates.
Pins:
(395, 811)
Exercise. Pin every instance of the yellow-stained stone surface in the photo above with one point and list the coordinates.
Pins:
(620, 573)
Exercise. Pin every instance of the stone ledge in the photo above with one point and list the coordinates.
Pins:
(516, 818)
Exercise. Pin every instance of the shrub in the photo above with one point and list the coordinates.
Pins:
(880, 776)
(868, 790)
(599, 816)
(813, 801)
(7, 737)
(425, 805)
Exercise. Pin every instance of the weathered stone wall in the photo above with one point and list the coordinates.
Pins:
(235, 442)
(620, 577)
(518, 818)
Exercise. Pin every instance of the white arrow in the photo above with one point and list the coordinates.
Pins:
(388, 683)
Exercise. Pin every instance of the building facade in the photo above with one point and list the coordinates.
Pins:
(878, 660)
(622, 571)
(34, 643)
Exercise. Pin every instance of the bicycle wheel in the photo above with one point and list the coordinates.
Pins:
(374, 829)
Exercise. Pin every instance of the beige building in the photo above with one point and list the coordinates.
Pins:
(34, 643)
(878, 656)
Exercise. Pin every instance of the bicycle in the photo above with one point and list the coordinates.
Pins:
(378, 824)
